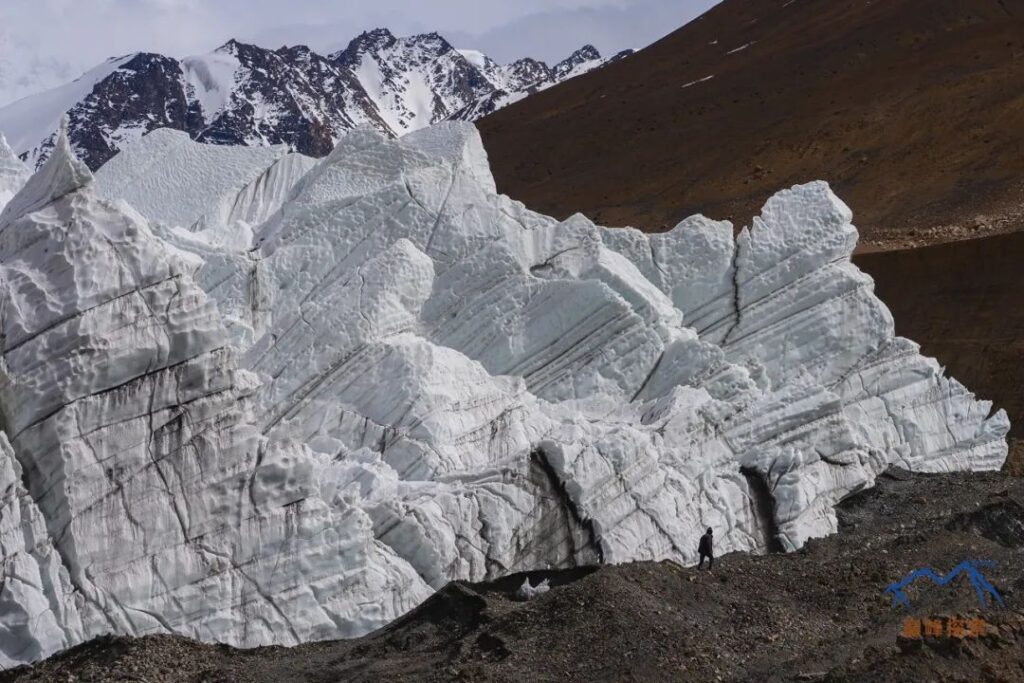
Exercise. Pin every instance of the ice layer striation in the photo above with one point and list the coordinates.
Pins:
(252, 398)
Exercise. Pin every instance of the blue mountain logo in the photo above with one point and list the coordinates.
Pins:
(972, 568)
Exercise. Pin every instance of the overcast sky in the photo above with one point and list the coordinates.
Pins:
(47, 42)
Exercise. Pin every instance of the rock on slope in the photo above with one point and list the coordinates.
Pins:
(405, 378)
(242, 94)
(528, 76)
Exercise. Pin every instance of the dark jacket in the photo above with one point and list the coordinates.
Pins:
(705, 545)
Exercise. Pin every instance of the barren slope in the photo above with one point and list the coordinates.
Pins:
(912, 109)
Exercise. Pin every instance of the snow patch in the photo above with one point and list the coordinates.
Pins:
(699, 80)
(740, 48)
(528, 591)
(30, 122)
(212, 79)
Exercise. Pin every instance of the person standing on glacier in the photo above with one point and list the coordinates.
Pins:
(704, 549)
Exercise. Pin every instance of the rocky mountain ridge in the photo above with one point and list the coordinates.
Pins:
(243, 94)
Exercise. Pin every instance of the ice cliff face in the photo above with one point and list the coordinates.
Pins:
(13, 173)
(253, 398)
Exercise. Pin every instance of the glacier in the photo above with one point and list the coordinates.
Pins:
(14, 173)
(251, 397)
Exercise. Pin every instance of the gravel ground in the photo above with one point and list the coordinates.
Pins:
(816, 615)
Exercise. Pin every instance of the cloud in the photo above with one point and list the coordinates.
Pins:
(553, 34)
(544, 30)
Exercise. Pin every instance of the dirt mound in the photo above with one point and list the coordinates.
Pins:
(1000, 522)
(1015, 463)
(912, 109)
(821, 614)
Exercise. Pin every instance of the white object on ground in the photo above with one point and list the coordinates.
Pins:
(529, 592)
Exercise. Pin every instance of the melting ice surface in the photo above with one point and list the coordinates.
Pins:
(253, 398)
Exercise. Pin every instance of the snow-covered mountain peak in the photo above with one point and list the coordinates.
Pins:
(586, 53)
(526, 72)
(233, 46)
(244, 52)
(246, 94)
(413, 81)
(580, 61)
(478, 59)
(373, 40)
(296, 52)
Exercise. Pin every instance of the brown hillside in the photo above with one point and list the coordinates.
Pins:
(912, 109)
(963, 303)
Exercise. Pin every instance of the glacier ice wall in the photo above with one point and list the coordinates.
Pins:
(251, 398)
(13, 173)
(174, 181)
